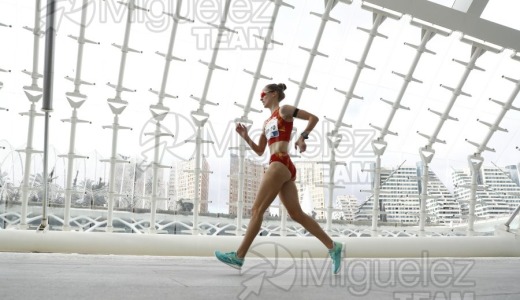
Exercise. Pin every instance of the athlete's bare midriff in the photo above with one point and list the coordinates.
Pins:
(279, 147)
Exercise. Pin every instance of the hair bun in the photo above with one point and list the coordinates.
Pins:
(282, 86)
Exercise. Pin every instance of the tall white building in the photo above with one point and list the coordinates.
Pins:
(399, 195)
(182, 186)
(399, 198)
(501, 182)
(308, 176)
(253, 175)
(514, 173)
(493, 197)
(134, 185)
(349, 207)
(441, 205)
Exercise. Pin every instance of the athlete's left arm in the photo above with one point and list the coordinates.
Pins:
(289, 112)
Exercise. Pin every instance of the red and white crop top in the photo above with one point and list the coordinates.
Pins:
(277, 129)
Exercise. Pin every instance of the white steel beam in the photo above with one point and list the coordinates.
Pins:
(378, 18)
(117, 106)
(2, 85)
(267, 40)
(474, 7)
(159, 112)
(74, 120)
(379, 144)
(81, 40)
(325, 17)
(200, 117)
(467, 23)
(478, 50)
(32, 114)
(2, 70)
(475, 160)
(37, 34)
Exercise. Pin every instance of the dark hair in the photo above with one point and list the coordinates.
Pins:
(279, 88)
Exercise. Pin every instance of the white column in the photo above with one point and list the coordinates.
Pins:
(74, 120)
(475, 160)
(325, 17)
(117, 106)
(378, 18)
(159, 112)
(37, 34)
(200, 117)
(477, 51)
(29, 151)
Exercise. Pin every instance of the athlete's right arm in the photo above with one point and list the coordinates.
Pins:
(258, 148)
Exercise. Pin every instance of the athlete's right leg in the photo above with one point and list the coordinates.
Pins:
(273, 180)
(289, 197)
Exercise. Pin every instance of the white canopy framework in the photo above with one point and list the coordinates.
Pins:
(434, 22)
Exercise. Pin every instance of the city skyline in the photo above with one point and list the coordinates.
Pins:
(310, 174)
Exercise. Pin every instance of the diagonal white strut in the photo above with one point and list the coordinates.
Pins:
(325, 17)
(333, 137)
(302, 84)
(267, 40)
(32, 114)
(475, 160)
(74, 120)
(379, 144)
(37, 35)
(117, 106)
(2, 85)
(200, 117)
(159, 111)
(427, 152)
(2, 70)
(81, 40)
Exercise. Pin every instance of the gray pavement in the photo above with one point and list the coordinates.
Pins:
(74, 276)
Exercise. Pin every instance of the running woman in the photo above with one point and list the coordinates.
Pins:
(280, 175)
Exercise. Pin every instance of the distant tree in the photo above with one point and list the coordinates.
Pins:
(8, 192)
(183, 206)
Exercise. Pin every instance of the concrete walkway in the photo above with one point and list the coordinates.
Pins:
(73, 276)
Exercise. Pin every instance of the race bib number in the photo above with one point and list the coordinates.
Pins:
(271, 129)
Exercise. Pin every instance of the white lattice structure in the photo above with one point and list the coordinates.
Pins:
(460, 35)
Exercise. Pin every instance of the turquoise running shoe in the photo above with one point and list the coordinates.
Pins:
(231, 259)
(335, 253)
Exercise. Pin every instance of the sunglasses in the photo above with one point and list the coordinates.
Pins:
(264, 93)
